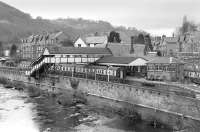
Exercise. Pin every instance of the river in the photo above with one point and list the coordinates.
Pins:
(19, 113)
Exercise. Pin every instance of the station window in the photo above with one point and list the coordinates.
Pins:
(114, 73)
(104, 72)
(150, 67)
(156, 67)
(172, 68)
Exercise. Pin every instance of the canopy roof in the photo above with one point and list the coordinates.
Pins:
(122, 61)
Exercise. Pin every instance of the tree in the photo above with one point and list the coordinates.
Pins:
(39, 18)
(1, 49)
(187, 26)
(67, 42)
(114, 37)
(13, 50)
(140, 39)
(159, 53)
(148, 42)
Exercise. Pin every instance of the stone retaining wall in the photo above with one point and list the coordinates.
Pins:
(176, 111)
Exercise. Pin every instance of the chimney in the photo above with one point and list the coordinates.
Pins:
(180, 44)
(132, 42)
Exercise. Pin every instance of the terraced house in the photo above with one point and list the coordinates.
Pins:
(32, 47)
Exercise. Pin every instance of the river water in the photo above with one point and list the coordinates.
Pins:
(19, 113)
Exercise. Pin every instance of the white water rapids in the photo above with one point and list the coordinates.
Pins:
(15, 114)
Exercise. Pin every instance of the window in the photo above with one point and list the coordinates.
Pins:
(104, 72)
(156, 67)
(91, 45)
(160, 67)
(150, 67)
(172, 68)
(164, 67)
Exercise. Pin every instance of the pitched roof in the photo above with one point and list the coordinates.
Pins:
(166, 60)
(95, 39)
(81, 50)
(122, 49)
(120, 60)
(113, 59)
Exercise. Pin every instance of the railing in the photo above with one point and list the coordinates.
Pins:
(36, 67)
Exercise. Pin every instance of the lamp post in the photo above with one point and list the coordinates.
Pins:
(108, 72)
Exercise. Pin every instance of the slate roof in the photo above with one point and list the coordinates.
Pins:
(81, 50)
(118, 60)
(165, 60)
(95, 39)
(124, 49)
(40, 37)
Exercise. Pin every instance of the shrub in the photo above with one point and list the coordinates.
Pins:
(33, 91)
(4, 80)
(19, 85)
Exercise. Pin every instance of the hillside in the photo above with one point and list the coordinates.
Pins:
(15, 24)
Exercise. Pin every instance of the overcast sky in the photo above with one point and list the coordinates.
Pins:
(156, 16)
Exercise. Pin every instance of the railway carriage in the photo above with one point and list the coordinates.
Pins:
(192, 73)
(101, 73)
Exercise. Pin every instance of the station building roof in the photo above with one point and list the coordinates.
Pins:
(73, 50)
(122, 61)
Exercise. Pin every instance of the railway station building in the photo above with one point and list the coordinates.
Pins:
(165, 68)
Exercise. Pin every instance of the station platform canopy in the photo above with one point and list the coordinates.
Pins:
(122, 61)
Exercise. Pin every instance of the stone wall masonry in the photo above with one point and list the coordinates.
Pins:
(135, 95)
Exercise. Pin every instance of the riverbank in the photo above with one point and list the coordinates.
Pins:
(85, 118)
(51, 114)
